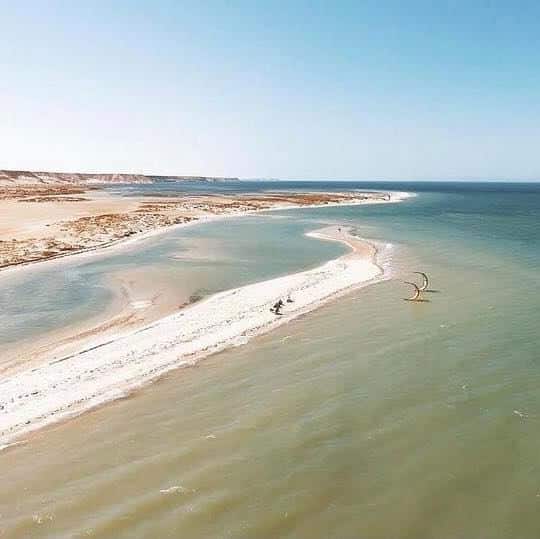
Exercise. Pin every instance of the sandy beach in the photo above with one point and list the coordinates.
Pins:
(46, 223)
(110, 368)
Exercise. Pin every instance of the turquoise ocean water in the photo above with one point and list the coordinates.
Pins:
(369, 418)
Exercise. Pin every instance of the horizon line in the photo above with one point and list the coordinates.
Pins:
(273, 178)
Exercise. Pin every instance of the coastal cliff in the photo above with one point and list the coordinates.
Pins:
(25, 177)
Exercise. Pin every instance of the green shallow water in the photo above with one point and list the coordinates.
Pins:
(369, 418)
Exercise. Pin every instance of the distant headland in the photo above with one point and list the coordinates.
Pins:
(26, 177)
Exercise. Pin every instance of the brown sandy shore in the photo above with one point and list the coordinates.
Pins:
(38, 223)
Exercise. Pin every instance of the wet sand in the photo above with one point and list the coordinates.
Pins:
(137, 300)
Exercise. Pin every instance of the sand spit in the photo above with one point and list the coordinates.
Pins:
(109, 369)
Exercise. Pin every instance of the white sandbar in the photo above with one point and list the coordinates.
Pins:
(108, 370)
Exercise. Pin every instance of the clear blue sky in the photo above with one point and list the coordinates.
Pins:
(290, 89)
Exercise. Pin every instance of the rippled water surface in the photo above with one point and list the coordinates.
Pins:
(371, 417)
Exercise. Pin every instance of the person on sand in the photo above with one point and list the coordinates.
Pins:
(289, 299)
(277, 306)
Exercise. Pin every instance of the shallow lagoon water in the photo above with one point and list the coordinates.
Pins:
(371, 417)
(194, 261)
